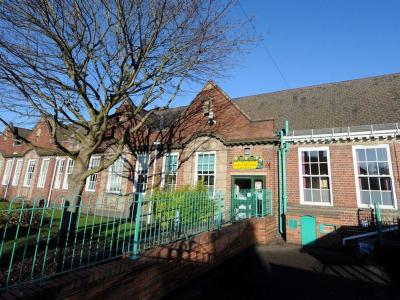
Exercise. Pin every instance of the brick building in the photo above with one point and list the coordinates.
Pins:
(343, 155)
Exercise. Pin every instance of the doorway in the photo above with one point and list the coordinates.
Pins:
(308, 231)
(247, 197)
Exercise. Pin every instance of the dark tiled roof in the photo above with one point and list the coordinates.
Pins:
(165, 118)
(373, 100)
(22, 132)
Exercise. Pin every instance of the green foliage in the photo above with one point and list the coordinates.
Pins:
(187, 209)
(24, 217)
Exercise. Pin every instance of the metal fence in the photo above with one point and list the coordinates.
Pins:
(249, 203)
(40, 239)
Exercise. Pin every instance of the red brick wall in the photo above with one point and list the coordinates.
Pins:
(158, 271)
(345, 211)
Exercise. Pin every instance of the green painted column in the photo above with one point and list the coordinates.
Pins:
(283, 148)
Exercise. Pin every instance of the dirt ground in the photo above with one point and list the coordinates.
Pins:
(291, 272)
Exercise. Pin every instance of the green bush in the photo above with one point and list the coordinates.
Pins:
(16, 216)
(186, 208)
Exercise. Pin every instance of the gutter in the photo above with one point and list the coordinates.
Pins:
(370, 132)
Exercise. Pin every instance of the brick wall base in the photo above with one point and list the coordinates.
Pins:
(158, 271)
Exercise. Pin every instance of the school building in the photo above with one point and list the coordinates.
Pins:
(337, 155)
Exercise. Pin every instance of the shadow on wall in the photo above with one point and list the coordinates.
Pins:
(361, 244)
(293, 272)
(168, 267)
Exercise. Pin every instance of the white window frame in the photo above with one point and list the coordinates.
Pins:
(25, 184)
(42, 174)
(59, 172)
(215, 170)
(300, 168)
(7, 172)
(68, 171)
(163, 168)
(118, 176)
(358, 192)
(136, 181)
(17, 172)
(93, 177)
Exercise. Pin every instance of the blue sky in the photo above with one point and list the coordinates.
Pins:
(314, 42)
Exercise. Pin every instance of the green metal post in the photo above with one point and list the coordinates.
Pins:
(219, 211)
(280, 185)
(270, 202)
(378, 218)
(285, 149)
(137, 228)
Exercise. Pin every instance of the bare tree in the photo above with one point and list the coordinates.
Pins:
(73, 63)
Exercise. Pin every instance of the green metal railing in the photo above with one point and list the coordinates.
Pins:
(39, 241)
(250, 203)
(168, 217)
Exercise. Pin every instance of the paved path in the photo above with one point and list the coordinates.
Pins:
(289, 272)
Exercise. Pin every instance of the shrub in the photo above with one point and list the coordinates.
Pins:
(186, 209)
(24, 218)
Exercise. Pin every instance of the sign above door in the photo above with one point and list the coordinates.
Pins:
(248, 163)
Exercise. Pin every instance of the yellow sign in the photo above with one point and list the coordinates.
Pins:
(252, 163)
(240, 165)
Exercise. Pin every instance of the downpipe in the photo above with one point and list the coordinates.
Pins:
(283, 148)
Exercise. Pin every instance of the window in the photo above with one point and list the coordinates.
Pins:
(7, 172)
(29, 172)
(70, 167)
(115, 176)
(91, 180)
(374, 178)
(170, 169)
(205, 169)
(142, 169)
(60, 170)
(43, 173)
(315, 180)
(17, 172)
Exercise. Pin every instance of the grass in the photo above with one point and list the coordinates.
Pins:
(88, 225)
(4, 205)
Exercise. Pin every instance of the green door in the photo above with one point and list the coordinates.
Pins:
(248, 197)
(308, 230)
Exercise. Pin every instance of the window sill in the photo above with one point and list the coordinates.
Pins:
(114, 193)
(385, 207)
(316, 204)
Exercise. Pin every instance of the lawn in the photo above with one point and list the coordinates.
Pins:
(89, 226)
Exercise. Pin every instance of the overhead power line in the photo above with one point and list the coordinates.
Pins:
(265, 48)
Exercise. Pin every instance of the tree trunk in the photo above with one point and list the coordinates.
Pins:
(72, 204)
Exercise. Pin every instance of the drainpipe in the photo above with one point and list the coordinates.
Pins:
(154, 172)
(9, 178)
(280, 186)
(156, 144)
(283, 148)
(52, 180)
